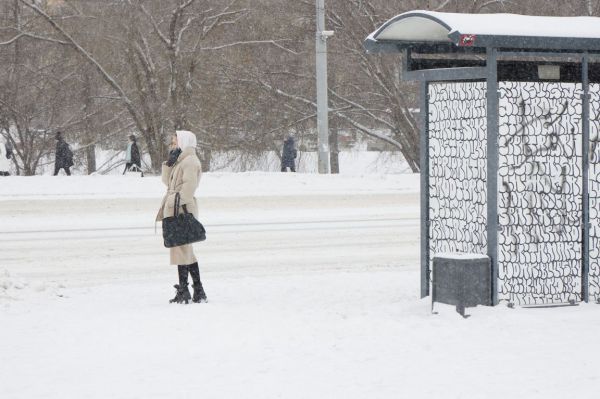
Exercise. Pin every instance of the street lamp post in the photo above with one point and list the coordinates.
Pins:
(322, 103)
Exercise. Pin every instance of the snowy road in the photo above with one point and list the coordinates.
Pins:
(256, 227)
(106, 239)
(312, 296)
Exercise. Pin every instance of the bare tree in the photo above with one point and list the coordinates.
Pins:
(164, 45)
(237, 72)
(34, 82)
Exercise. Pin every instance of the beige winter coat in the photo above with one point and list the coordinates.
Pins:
(182, 178)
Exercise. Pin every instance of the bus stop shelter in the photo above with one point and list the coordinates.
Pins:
(510, 162)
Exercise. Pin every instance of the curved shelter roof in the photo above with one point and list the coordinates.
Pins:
(510, 31)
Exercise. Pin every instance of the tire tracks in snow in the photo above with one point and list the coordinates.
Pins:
(240, 227)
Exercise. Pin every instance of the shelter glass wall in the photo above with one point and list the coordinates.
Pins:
(540, 184)
(457, 167)
(594, 179)
(540, 199)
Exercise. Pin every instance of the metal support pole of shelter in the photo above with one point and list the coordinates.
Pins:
(322, 102)
(492, 167)
(424, 159)
(585, 152)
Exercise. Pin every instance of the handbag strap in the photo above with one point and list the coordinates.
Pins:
(177, 201)
(177, 205)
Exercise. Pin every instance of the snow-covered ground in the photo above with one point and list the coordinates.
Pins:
(313, 293)
(249, 184)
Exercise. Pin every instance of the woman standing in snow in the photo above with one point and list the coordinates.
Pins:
(4, 158)
(181, 174)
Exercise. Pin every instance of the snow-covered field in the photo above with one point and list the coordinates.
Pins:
(352, 162)
(313, 293)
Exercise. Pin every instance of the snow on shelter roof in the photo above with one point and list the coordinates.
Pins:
(488, 30)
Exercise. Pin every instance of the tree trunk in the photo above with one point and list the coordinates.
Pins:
(155, 150)
(90, 158)
(333, 147)
(90, 149)
(206, 160)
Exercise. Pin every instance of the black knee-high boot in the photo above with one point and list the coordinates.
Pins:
(199, 294)
(183, 292)
(182, 271)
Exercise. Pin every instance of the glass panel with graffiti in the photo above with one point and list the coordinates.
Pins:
(457, 166)
(540, 192)
(594, 179)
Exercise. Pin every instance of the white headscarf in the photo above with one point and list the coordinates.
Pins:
(186, 139)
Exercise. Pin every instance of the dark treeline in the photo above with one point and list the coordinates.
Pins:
(239, 73)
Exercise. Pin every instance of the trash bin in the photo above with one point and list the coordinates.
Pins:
(462, 279)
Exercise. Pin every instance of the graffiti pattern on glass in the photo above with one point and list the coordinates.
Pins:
(594, 189)
(457, 167)
(540, 192)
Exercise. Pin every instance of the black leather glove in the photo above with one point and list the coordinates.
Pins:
(173, 155)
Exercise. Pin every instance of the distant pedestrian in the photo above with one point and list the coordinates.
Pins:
(5, 155)
(181, 174)
(64, 155)
(288, 157)
(132, 156)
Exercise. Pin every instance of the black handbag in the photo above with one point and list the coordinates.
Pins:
(182, 229)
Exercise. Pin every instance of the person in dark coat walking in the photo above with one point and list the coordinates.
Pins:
(132, 156)
(64, 155)
(288, 158)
